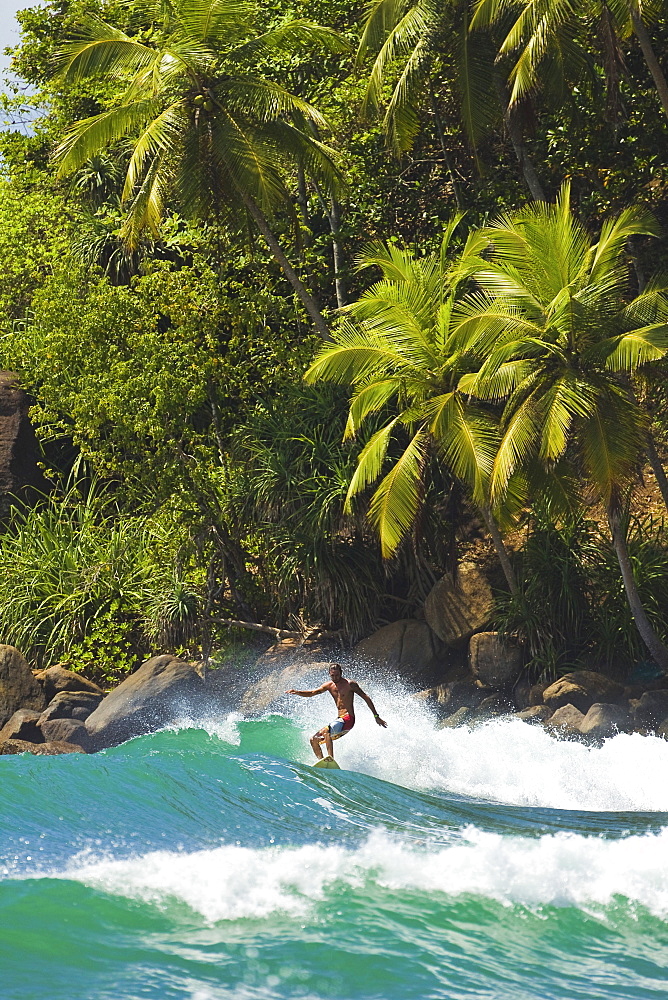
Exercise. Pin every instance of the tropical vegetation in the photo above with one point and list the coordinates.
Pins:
(313, 300)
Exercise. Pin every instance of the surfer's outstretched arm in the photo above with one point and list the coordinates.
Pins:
(365, 697)
(309, 694)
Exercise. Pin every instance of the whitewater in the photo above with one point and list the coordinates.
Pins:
(210, 861)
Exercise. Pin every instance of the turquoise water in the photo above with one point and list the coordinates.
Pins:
(210, 861)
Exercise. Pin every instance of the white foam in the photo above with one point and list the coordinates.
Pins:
(225, 728)
(503, 760)
(230, 882)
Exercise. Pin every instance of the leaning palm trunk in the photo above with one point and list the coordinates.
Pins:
(642, 34)
(657, 469)
(657, 649)
(307, 299)
(501, 550)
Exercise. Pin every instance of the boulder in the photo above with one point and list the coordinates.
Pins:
(536, 693)
(534, 713)
(456, 608)
(23, 725)
(522, 694)
(407, 648)
(259, 695)
(457, 718)
(566, 719)
(662, 730)
(57, 678)
(66, 703)
(20, 474)
(494, 704)
(651, 709)
(494, 662)
(456, 694)
(163, 688)
(583, 688)
(66, 731)
(18, 687)
(603, 721)
(24, 746)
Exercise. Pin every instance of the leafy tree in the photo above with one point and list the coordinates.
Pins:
(205, 124)
(402, 352)
(566, 343)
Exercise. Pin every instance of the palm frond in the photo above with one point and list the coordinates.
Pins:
(395, 503)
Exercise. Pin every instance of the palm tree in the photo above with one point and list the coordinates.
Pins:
(399, 348)
(203, 124)
(544, 28)
(408, 39)
(566, 347)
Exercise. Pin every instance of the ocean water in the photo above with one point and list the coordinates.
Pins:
(210, 861)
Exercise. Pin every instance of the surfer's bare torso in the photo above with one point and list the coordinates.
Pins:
(343, 692)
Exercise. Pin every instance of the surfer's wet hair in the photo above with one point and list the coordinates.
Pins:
(336, 666)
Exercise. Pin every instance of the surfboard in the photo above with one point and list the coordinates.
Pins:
(327, 762)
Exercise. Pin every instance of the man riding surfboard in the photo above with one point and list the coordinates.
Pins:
(343, 692)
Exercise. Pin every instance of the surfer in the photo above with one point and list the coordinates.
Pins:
(343, 692)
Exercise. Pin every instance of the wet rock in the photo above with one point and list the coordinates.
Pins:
(55, 679)
(455, 609)
(52, 748)
(566, 720)
(162, 689)
(493, 662)
(534, 713)
(302, 675)
(23, 725)
(18, 687)
(651, 709)
(20, 474)
(65, 703)
(521, 694)
(583, 688)
(408, 648)
(457, 718)
(493, 705)
(603, 721)
(536, 693)
(66, 731)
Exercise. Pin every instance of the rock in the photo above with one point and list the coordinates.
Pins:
(534, 713)
(493, 662)
(458, 718)
(18, 687)
(662, 730)
(57, 678)
(651, 708)
(494, 704)
(66, 731)
(536, 693)
(455, 609)
(522, 694)
(163, 688)
(603, 721)
(24, 746)
(301, 675)
(19, 452)
(22, 726)
(566, 719)
(66, 702)
(408, 648)
(582, 688)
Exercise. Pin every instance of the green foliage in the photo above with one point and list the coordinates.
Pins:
(89, 586)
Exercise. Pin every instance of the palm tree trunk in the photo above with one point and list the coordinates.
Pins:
(657, 469)
(501, 550)
(658, 651)
(642, 34)
(517, 140)
(307, 299)
(445, 150)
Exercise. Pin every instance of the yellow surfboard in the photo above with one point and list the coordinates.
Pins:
(327, 762)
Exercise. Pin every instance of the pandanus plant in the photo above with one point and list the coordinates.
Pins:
(206, 127)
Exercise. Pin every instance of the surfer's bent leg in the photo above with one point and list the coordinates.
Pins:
(316, 741)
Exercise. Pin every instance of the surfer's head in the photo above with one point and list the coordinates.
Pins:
(335, 671)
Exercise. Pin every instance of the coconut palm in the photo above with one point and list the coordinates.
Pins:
(399, 349)
(546, 28)
(409, 39)
(203, 124)
(567, 344)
